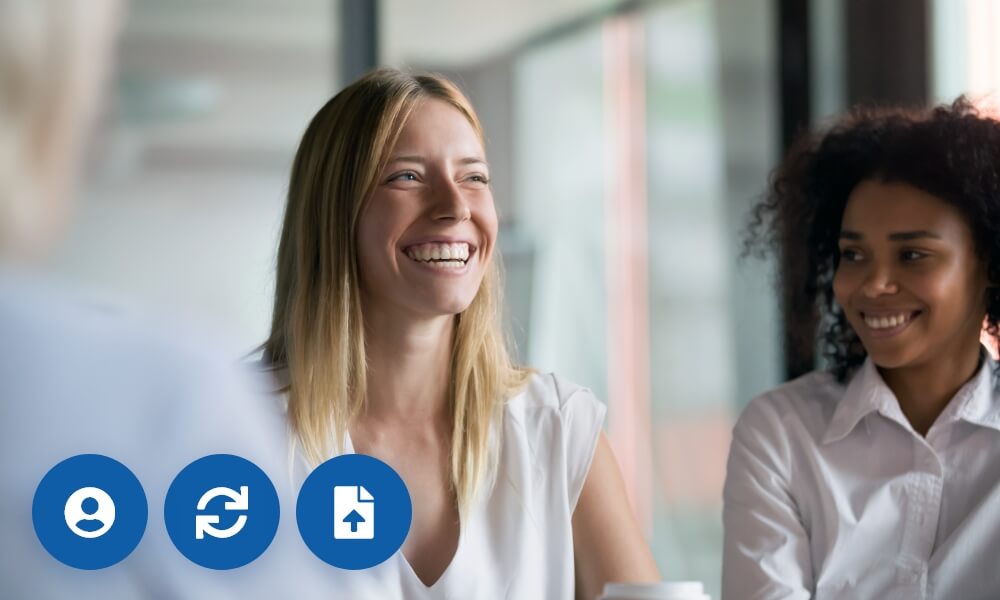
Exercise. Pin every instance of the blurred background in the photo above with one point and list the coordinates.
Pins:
(627, 142)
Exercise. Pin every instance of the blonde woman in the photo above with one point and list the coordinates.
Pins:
(386, 340)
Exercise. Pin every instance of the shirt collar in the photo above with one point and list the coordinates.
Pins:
(977, 401)
(867, 392)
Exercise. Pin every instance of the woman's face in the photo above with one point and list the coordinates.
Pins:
(426, 235)
(909, 279)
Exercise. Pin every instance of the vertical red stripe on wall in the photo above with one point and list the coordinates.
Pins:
(626, 259)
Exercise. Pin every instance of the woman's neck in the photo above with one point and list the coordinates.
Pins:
(923, 391)
(409, 366)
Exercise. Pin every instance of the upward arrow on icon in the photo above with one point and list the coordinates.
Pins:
(353, 519)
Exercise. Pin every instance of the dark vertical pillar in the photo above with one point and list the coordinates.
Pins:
(794, 103)
(887, 52)
(358, 38)
(793, 68)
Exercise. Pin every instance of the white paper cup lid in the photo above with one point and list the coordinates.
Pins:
(666, 590)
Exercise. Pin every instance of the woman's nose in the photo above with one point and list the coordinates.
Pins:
(450, 203)
(879, 281)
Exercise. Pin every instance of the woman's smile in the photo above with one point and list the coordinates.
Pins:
(442, 258)
(886, 324)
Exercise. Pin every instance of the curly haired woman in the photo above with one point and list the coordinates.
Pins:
(876, 477)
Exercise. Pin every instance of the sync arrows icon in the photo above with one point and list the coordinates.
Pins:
(228, 532)
(203, 523)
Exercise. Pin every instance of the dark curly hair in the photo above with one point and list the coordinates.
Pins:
(951, 151)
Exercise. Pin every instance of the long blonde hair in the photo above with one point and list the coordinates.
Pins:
(317, 330)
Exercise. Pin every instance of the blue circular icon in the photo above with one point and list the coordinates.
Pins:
(221, 511)
(354, 511)
(89, 511)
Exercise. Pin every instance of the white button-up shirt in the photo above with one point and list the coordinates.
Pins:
(830, 493)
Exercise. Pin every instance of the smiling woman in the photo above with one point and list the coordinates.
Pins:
(386, 340)
(876, 479)
(913, 288)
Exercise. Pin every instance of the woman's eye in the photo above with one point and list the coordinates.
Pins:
(850, 255)
(478, 178)
(911, 255)
(404, 176)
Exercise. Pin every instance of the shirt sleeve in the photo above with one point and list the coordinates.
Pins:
(582, 417)
(766, 548)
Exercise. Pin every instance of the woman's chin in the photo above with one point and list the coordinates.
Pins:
(453, 308)
(443, 307)
(892, 358)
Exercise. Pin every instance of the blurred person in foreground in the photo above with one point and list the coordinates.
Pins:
(76, 379)
(387, 340)
(877, 476)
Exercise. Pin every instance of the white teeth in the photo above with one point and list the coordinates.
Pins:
(449, 264)
(886, 322)
(457, 253)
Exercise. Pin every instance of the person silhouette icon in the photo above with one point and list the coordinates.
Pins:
(89, 507)
(89, 512)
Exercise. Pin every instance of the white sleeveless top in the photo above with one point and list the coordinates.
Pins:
(516, 540)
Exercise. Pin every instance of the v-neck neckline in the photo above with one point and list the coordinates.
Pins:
(437, 584)
(447, 570)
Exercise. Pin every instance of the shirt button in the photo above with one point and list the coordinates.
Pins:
(915, 574)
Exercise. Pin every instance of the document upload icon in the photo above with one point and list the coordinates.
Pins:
(353, 513)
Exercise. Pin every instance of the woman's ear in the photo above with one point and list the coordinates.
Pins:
(991, 342)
